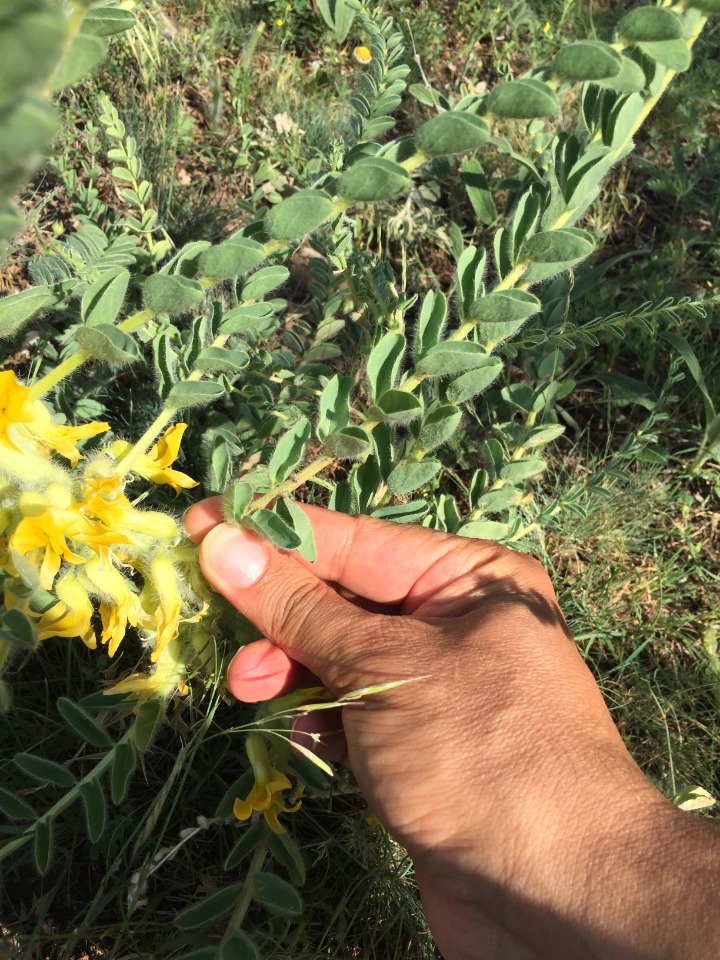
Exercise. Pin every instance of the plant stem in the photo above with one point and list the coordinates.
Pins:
(307, 473)
(6, 849)
(236, 920)
(141, 446)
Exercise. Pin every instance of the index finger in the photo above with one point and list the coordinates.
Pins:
(385, 562)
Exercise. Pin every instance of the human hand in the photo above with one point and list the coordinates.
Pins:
(500, 770)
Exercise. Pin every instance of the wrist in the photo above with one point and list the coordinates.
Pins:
(607, 880)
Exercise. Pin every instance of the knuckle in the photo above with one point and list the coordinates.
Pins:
(292, 607)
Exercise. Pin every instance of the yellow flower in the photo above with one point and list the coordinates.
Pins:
(119, 604)
(161, 599)
(15, 407)
(47, 521)
(279, 22)
(269, 784)
(155, 464)
(362, 55)
(105, 501)
(71, 616)
(31, 419)
(546, 27)
(59, 437)
(167, 678)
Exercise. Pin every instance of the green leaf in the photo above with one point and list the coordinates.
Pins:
(484, 529)
(397, 406)
(541, 436)
(568, 245)
(273, 528)
(523, 100)
(439, 426)
(14, 807)
(103, 298)
(296, 518)
(473, 382)
(471, 267)
(431, 322)
(517, 470)
(18, 629)
(451, 357)
(674, 54)
(300, 214)
(31, 41)
(107, 343)
(263, 281)
(249, 839)
(40, 600)
(238, 946)
(124, 762)
(649, 24)
(411, 512)
(173, 295)
(194, 393)
(587, 60)
(238, 788)
(334, 405)
(276, 893)
(501, 314)
(231, 258)
(95, 808)
(221, 360)
(452, 132)
(84, 54)
(631, 78)
(209, 910)
(82, 723)
(383, 366)
(505, 306)
(107, 21)
(493, 455)
(246, 318)
(45, 771)
(147, 719)
(371, 179)
(494, 501)
(707, 6)
(286, 851)
(236, 500)
(680, 344)
(17, 309)
(289, 451)
(43, 845)
(26, 126)
(410, 476)
(338, 15)
(352, 443)
(478, 191)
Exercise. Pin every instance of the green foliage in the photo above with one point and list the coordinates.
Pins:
(359, 379)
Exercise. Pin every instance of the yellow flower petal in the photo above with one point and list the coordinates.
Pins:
(155, 464)
(167, 613)
(15, 406)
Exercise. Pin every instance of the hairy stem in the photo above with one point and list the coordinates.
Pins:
(238, 916)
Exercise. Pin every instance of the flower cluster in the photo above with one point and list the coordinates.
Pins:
(77, 557)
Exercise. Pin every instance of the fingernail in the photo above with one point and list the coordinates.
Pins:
(237, 557)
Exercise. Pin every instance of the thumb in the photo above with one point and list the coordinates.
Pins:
(300, 613)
